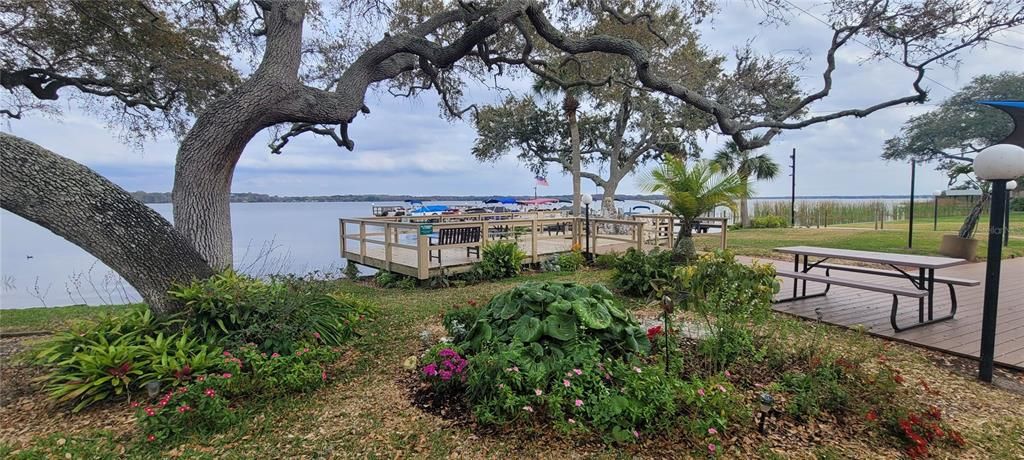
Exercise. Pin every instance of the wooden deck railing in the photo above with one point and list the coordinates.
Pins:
(404, 247)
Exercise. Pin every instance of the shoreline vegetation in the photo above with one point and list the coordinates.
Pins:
(246, 197)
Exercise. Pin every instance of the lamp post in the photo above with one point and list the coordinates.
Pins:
(913, 173)
(792, 191)
(1010, 186)
(998, 164)
(935, 211)
(586, 199)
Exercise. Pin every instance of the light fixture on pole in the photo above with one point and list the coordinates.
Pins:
(913, 173)
(1010, 186)
(999, 163)
(586, 199)
(935, 211)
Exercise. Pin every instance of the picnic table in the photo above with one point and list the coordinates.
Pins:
(922, 283)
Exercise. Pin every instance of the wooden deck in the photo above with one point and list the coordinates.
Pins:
(960, 336)
(406, 244)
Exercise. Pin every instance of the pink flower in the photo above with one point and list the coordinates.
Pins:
(579, 402)
(323, 375)
(636, 369)
(566, 383)
(577, 371)
(150, 412)
(275, 355)
(201, 378)
(184, 408)
(134, 404)
(758, 385)
(727, 374)
(721, 388)
(700, 391)
(571, 421)
(712, 430)
(150, 438)
(316, 335)
(636, 434)
(226, 375)
(210, 392)
(711, 448)
(227, 353)
(528, 409)
(512, 369)
(182, 390)
(537, 391)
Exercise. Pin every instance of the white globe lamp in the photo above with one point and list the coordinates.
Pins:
(1000, 162)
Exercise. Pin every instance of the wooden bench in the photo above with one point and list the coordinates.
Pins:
(457, 236)
(828, 281)
(556, 228)
(896, 274)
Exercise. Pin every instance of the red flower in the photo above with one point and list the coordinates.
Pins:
(898, 378)
(872, 415)
(135, 404)
(935, 413)
(472, 302)
(150, 438)
(184, 373)
(210, 392)
(653, 332)
(184, 408)
(150, 412)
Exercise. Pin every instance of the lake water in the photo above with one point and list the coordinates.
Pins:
(39, 268)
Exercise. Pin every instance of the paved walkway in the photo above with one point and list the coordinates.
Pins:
(960, 336)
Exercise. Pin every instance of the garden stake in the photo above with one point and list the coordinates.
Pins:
(666, 308)
(766, 407)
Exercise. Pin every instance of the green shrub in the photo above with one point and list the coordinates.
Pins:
(176, 358)
(261, 374)
(822, 389)
(731, 297)
(275, 315)
(545, 316)
(637, 273)
(571, 261)
(501, 259)
(386, 279)
(768, 221)
(1017, 204)
(606, 260)
(459, 320)
(198, 408)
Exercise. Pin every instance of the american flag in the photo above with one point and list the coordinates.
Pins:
(542, 181)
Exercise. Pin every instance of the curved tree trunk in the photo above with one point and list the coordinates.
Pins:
(571, 105)
(79, 205)
(211, 149)
(685, 250)
(971, 221)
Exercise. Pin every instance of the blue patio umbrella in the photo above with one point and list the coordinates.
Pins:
(502, 200)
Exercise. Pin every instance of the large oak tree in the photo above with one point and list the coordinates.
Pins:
(162, 63)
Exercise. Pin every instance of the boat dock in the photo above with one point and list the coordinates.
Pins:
(423, 247)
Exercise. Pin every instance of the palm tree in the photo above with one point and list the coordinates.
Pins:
(692, 191)
(570, 106)
(745, 165)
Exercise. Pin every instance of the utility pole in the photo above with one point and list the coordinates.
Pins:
(913, 173)
(792, 192)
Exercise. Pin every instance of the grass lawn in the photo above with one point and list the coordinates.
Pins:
(367, 412)
(50, 319)
(761, 241)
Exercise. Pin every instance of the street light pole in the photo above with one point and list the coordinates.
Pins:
(586, 199)
(913, 172)
(1010, 186)
(792, 191)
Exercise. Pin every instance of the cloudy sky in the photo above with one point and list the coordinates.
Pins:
(403, 147)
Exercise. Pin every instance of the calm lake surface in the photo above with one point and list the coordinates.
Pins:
(39, 268)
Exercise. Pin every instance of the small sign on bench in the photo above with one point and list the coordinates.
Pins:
(426, 229)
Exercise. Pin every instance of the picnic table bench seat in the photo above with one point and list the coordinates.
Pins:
(895, 291)
(896, 274)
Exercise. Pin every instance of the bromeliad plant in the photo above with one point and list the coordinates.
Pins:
(501, 259)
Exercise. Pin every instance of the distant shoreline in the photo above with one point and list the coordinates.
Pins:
(165, 197)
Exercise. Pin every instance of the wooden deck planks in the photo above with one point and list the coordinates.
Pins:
(849, 307)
